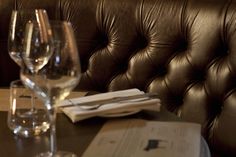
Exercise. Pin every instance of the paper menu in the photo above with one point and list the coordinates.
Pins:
(140, 138)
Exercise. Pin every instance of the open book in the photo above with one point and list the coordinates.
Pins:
(141, 138)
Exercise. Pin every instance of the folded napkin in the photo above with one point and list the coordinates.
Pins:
(121, 108)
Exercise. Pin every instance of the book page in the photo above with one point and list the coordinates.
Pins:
(140, 138)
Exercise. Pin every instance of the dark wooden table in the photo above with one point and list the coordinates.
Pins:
(70, 137)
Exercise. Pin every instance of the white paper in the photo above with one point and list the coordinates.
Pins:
(140, 138)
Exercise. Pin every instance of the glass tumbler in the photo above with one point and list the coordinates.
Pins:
(20, 118)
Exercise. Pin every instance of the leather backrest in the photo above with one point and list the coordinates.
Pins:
(184, 50)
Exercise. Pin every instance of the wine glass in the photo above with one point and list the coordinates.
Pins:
(18, 21)
(19, 18)
(57, 78)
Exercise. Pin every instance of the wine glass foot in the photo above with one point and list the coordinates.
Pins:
(57, 154)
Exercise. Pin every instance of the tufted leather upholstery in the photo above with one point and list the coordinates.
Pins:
(185, 50)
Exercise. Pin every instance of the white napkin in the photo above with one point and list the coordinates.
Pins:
(76, 113)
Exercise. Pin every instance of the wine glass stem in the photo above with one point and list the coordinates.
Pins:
(33, 99)
(32, 102)
(52, 117)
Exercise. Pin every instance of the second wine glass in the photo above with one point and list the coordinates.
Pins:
(57, 78)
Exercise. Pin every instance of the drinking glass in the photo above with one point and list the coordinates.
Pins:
(57, 78)
(20, 105)
(19, 18)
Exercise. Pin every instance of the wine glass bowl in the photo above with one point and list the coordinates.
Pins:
(61, 73)
(37, 47)
(56, 79)
(18, 21)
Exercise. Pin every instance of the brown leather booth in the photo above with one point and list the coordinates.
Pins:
(185, 50)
